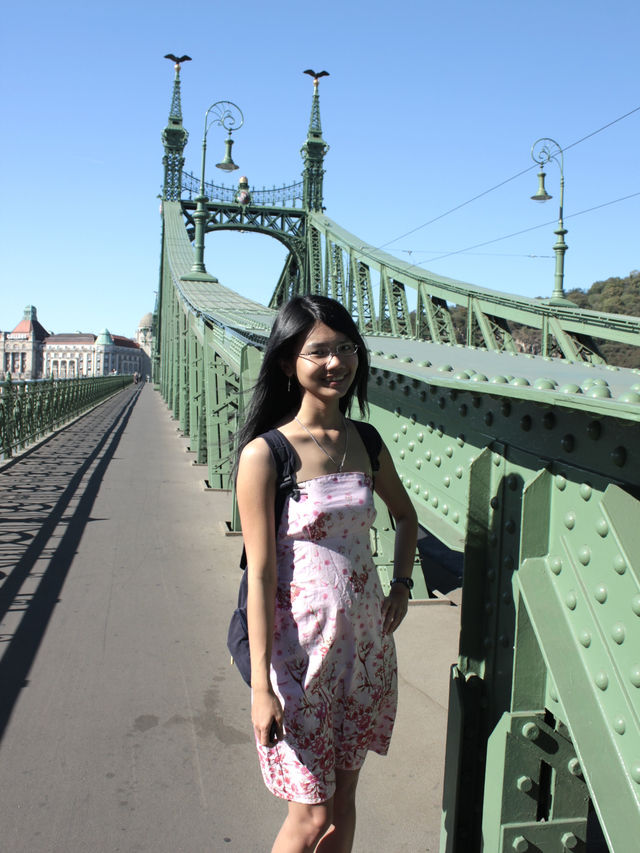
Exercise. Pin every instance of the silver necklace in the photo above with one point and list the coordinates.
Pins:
(326, 452)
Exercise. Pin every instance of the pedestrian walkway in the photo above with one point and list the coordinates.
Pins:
(123, 726)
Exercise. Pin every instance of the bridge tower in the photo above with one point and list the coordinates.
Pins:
(174, 139)
(313, 151)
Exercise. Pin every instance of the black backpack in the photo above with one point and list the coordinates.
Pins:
(284, 458)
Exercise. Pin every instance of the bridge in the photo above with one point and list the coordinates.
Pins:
(527, 465)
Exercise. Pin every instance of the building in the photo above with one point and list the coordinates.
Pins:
(30, 352)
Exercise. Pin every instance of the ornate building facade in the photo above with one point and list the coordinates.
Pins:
(30, 352)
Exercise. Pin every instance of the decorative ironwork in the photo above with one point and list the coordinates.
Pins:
(288, 195)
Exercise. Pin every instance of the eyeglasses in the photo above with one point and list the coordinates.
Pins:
(321, 355)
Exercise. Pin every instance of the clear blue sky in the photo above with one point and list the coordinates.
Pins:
(428, 105)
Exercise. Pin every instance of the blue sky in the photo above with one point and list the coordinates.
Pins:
(428, 105)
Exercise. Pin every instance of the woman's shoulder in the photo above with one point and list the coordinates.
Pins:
(257, 455)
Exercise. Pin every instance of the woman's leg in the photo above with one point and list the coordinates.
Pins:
(303, 827)
(339, 839)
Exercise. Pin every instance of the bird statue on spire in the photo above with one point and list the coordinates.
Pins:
(177, 59)
(316, 75)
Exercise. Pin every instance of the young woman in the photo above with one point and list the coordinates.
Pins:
(323, 668)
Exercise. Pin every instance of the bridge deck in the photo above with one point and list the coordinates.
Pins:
(123, 725)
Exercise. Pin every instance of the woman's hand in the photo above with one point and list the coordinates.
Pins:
(267, 717)
(394, 608)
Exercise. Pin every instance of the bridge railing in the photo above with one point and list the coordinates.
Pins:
(528, 465)
(31, 409)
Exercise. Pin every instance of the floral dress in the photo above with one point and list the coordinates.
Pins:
(331, 666)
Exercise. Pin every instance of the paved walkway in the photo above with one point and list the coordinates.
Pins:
(123, 726)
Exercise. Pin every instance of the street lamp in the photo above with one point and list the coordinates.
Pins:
(542, 151)
(229, 116)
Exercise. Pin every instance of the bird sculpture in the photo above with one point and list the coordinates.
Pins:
(316, 75)
(177, 59)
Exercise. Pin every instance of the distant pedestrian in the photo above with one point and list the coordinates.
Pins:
(323, 665)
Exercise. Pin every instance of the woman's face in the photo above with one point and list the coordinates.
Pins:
(324, 364)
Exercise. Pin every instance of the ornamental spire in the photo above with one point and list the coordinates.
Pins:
(313, 150)
(174, 138)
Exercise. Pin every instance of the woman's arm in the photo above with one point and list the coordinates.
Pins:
(393, 493)
(255, 492)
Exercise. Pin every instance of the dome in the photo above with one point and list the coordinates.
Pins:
(146, 322)
(104, 338)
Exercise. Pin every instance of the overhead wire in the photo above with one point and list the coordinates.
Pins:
(506, 181)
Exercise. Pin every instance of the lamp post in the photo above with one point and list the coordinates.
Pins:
(542, 151)
(229, 116)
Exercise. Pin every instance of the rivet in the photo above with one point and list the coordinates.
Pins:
(520, 844)
(420, 437)
(406, 390)
(508, 562)
(404, 429)
(561, 482)
(530, 731)
(571, 388)
(445, 509)
(442, 403)
(407, 483)
(619, 456)
(430, 426)
(602, 680)
(493, 539)
(594, 430)
(618, 633)
(423, 395)
(568, 443)
(619, 564)
(392, 384)
(602, 527)
(459, 472)
(402, 453)
(416, 488)
(494, 502)
(584, 555)
(496, 458)
(524, 784)
(601, 593)
(585, 638)
(505, 642)
(635, 773)
(569, 841)
(460, 440)
(445, 368)
(571, 601)
(553, 693)
(635, 675)
(510, 526)
(396, 437)
(520, 381)
(447, 482)
(585, 491)
(545, 384)
(620, 725)
(512, 482)
(491, 575)
(570, 520)
(437, 461)
(418, 463)
(456, 517)
(434, 501)
(505, 408)
(574, 768)
(425, 495)
(635, 604)
(548, 420)
(488, 418)
(555, 564)
(526, 423)
(476, 402)
(462, 410)
(411, 445)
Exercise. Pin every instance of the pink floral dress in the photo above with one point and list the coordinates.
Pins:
(331, 666)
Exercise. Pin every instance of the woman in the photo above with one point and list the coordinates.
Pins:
(323, 668)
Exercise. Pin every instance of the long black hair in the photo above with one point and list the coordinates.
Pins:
(271, 400)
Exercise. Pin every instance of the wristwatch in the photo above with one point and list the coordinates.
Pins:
(405, 581)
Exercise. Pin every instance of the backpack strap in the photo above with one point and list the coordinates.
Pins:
(372, 441)
(286, 484)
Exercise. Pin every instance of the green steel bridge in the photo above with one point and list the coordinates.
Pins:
(529, 465)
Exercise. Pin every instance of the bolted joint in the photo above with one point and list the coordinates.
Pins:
(520, 844)
(569, 841)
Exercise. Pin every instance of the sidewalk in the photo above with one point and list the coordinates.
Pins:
(125, 728)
